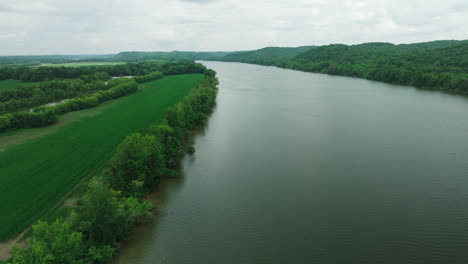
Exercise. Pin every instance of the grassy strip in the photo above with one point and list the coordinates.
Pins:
(37, 174)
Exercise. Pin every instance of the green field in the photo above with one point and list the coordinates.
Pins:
(36, 174)
(11, 84)
(81, 64)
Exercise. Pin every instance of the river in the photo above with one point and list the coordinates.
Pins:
(298, 167)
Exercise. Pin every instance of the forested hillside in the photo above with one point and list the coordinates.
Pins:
(441, 65)
(262, 56)
(266, 56)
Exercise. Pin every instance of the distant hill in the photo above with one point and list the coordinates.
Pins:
(134, 56)
(265, 56)
(38, 59)
(369, 51)
(254, 56)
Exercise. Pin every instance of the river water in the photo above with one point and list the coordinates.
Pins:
(298, 167)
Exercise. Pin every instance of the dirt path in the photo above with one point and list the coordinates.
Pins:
(6, 247)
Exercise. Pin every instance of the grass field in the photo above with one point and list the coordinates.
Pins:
(11, 84)
(81, 64)
(35, 174)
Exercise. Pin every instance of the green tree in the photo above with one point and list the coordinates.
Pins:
(137, 165)
(54, 243)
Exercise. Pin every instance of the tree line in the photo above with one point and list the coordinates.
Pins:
(24, 98)
(62, 82)
(37, 74)
(112, 202)
(47, 115)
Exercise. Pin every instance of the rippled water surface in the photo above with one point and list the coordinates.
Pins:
(296, 167)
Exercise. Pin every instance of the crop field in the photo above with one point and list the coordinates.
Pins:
(37, 173)
(11, 84)
(81, 64)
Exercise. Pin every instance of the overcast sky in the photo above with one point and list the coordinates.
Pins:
(111, 26)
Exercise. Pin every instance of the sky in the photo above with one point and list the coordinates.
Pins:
(37, 27)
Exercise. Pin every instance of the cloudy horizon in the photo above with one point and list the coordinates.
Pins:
(31, 27)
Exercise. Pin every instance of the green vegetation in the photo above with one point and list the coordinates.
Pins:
(88, 73)
(89, 90)
(142, 159)
(149, 77)
(23, 98)
(441, 65)
(47, 115)
(265, 56)
(110, 205)
(12, 84)
(261, 56)
(37, 174)
(101, 218)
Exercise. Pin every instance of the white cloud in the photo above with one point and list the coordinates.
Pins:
(110, 26)
(387, 25)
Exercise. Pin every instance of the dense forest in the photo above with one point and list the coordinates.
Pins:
(441, 65)
(83, 87)
(112, 202)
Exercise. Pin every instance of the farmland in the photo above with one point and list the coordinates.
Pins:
(37, 173)
(11, 84)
